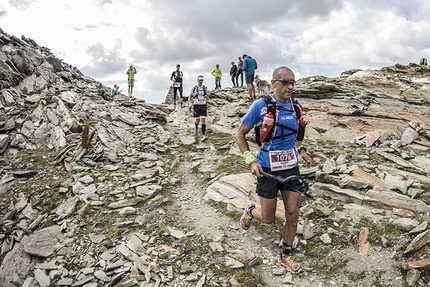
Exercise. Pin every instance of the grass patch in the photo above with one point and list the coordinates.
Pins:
(356, 276)
(164, 256)
(329, 266)
(116, 232)
(269, 229)
(425, 196)
(378, 230)
(228, 167)
(45, 182)
(314, 249)
(425, 274)
(86, 212)
(247, 278)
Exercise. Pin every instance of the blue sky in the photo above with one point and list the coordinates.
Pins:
(313, 37)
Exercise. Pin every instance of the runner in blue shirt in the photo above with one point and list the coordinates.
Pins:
(249, 66)
(278, 157)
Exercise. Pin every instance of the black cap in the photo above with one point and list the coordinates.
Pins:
(178, 65)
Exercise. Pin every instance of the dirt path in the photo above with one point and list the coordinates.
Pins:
(206, 218)
(212, 225)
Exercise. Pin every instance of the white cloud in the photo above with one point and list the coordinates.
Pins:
(102, 38)
(359, 38)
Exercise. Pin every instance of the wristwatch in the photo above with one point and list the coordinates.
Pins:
(300, 148)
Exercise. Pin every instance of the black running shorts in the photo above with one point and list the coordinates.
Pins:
(268, 188)
(200, 111)
(249, 79)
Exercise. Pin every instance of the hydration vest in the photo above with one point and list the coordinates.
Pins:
(286, 131)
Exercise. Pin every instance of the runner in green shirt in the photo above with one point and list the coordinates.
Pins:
(217, 73)
(130, 73)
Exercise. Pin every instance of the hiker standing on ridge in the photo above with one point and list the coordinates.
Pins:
(200, 98)
(176, 77)
(130, 74)
(233, 71)
(217, 73)
(277, 157)
(239, 72)
(249, 67)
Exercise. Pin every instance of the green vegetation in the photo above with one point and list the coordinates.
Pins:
(115, 232)
(356, 276)
(425, 196)
(245, 276)
(329, 266)
(425, 272)
(316, 249)
(86, 212)
(164, 255)
(43, 186)
(378, 230)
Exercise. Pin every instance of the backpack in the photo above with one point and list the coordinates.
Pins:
(196, 91)
(177, 75)
(272, 107)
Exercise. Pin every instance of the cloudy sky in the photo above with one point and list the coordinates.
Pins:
(102, 38)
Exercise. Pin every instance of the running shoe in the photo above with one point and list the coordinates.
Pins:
(195, 132)
(289, 263)
(203, 138)
(245, 220)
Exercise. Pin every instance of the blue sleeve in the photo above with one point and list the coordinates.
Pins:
(244, 65)
(254, 113)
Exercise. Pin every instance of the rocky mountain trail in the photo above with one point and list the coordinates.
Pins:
(261, 247)
(102, 192)
(226, 243)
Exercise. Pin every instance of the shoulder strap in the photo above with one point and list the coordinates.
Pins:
(285, 131)
(271, 108)
(302, 122)
(271, 105)
(297, 109)
(196, 90)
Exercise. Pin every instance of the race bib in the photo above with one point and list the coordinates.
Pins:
(282, 159)
(177, 85)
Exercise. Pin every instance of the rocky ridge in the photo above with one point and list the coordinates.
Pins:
(119, 193)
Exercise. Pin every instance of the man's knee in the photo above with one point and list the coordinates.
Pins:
(292, 216)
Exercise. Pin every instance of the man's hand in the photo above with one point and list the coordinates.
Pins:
(256, 169)
(306, 158)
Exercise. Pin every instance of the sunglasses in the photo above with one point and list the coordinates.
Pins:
(286, 82)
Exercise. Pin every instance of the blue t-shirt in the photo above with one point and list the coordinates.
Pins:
(285, 116)
(249, 65)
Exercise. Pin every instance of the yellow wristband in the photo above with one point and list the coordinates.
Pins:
(249, 157)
